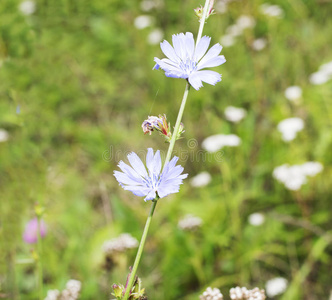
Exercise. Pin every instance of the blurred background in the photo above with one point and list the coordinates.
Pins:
(76, 83)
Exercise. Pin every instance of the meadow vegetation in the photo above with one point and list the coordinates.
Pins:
(76, 83)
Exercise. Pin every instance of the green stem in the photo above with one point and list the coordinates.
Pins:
(40, 263)
(202, 21)
(177, 124)
(140, 251)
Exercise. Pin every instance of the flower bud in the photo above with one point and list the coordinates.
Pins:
(159, 124)
(39, 210)
(199, 11)
(117, 291)
(152, 123)
(180, 131)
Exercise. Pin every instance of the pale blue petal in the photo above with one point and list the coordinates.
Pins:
(150, 196)
(137, 164)
(125, 179)
(189, 45)
(210, 77)
(179, 46)
(165, 190)
(149, 159)
(170, 62)
(213, 52)
(157, 163)
(171, 164)
(202, 47)
(169, 51)
(213, 62)
(129, 171)
(169, 172)
(174, 181)
(176, 74)
(137, 191)
(167, 67)
(195, 81)
(173, 173)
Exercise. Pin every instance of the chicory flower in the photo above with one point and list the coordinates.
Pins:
(185, 60)
(150, 181)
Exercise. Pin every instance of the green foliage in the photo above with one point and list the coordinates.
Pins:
(82, 76)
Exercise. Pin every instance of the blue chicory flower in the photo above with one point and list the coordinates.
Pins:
(184, 60)
(150, 181)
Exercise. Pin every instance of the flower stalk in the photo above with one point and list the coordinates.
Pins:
(177, 124)
(140, 251)
(39, 260)
(208, 5)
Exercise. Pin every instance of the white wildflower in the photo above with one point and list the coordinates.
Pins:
(143, 21)
(272, 10)
(72, 290)
(147, 5)
(319, 78)
(293, 177)
(27, 7)
(3, 135)
(190, 222)
(120, 244)
(52, 295)
(259, 44)
(155, 36)
(234, 114)
(276, 286)
(312, 168)
(227, 40)
(256, 219)
(326, 69)
(290, 127)
(211, 294)
(221, 6)
(214, 143)
(242, 293)
(245, 21)
(200, 180)
(293, 93)
(234, 30)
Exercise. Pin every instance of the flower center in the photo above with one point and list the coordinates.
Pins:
(188, 66)
(152, 181)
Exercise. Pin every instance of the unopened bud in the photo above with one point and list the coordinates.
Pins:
(117, 291)
(39, 210)
(199, 11)
(180, 131)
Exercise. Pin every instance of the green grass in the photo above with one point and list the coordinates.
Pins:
(82, 75)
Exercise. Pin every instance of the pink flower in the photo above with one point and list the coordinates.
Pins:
(30, 234)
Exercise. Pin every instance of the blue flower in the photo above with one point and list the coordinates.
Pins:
(187, 61)
(149, 181)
